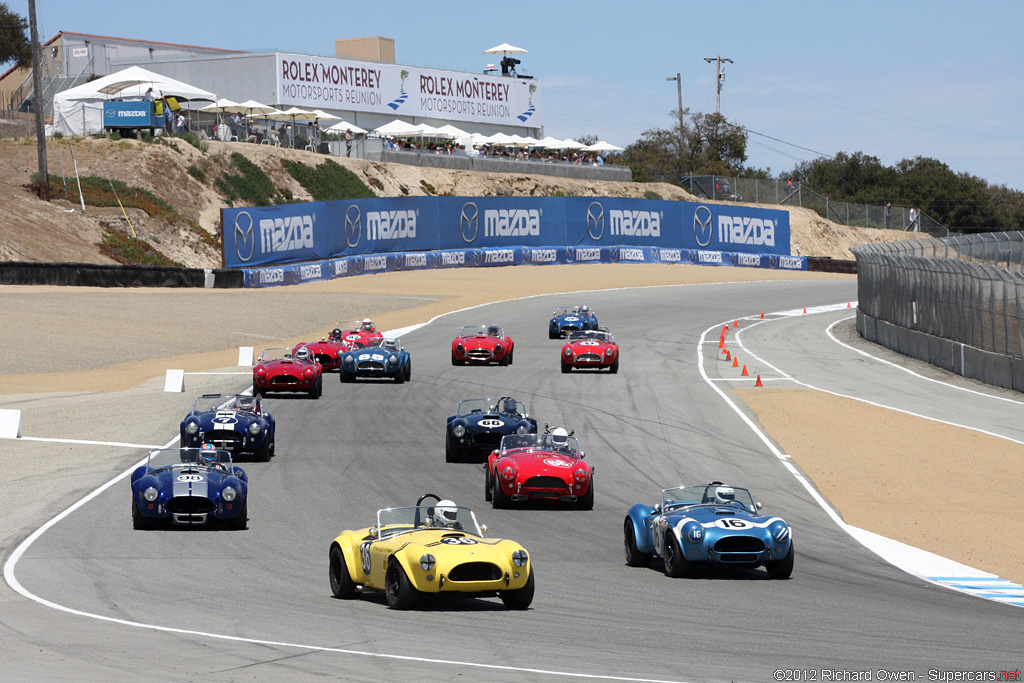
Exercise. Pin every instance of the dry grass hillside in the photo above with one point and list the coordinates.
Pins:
(60, 231)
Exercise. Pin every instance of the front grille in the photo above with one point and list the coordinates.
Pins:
(190, 505)
(545, 483)
(371, 366)
(324, 359)
(479, 354)
(570, 328)
(229, 441)
(285, 379)
(588, 358)
(739, 544)
(738, 557)
(475, 571)
(489, 439)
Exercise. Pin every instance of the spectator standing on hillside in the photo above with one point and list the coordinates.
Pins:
(888, 214)
(168, 118)
(913, 225)
(348, 142)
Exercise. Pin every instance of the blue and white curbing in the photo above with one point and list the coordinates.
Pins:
(367, 264)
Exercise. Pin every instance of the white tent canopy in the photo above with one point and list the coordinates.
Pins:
(602, 146)
(343, 126)
(397, 127)
(79, 110)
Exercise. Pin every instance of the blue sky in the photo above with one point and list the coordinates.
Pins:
(892, 79)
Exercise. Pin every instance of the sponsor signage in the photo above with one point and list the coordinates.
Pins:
(366, 226)
(310, 82)
(604, 221)
(479, 222)
(733, 228)
(136, 114)
(268, 235)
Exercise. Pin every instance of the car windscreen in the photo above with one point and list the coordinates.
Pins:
(505, 406)
(171, 457)
(706, 494)
(391, 521)
(567, 445)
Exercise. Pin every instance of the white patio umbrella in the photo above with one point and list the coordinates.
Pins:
(602, 146)
(505, 49)
(344, 126)
(293, 114)
(397, 127)
(223, 105)
(324, 116)
(551, 143)
(448, 130)
(572, 144)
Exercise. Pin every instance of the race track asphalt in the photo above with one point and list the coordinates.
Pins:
(256, 605)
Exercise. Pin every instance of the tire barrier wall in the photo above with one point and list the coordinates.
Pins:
(93, 275)
(956, 302)
(346, 266)
(292, 233)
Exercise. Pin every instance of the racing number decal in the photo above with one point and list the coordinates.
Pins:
(490, 424)
(462, 540)
(733, 523)
(352, 337)
(589, 343)
(190, 477)
(557, 462)
(364, 550)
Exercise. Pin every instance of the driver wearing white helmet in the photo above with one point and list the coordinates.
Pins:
(302, 353)
(368, 325)
(445, 515)
(725, 495)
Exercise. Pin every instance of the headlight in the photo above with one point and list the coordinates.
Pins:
(261, 371)
(568, 351)
(523, 429)
(780, 532)
(519, 558)
(693, 532)
(458, 347)
(228, 493)
(582, 474)
(349, 360)
(309, 373)
(509, 473)
(393, 359)
(191, 427)
(609, 351)
(255, 428)
(427, 562)
(497, 348)
(150, 494)
(459, 431)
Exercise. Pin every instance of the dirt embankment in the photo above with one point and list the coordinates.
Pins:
(60, 231)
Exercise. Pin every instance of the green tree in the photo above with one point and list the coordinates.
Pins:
(15, 45)
(706, 145)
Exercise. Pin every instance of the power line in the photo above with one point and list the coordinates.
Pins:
(791, 144)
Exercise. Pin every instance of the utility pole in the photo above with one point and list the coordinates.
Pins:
(679, 88)
(37, 104)
(720, 77)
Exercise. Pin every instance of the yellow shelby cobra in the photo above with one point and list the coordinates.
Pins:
(430, 548)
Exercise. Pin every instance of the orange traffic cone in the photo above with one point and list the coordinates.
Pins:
(735, 323)
(744, 373)
(728, 356)
(721, 343)
(758, 382)
(848, 304)
(736, 362)
(762, 316)
(805, 309)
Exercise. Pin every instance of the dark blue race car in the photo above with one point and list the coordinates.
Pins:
(239, 424)
(478, 426)
(707, 524)
(385, 358)
(568, 319)
(189, 486)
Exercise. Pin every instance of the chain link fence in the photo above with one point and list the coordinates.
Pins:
(737, 189)
(967, 289)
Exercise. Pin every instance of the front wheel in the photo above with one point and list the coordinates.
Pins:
(519, 598)
(614, 367)
(256, 390)
(634, 558)
(139, 521)
(400, 376)
(341, 581)
(398, 590)
(676, 565)
(318, 388)
(781, 569)
(241, 521)
(586, 501)
(488, 493)
(262, 453)
(455, 361)
(566, 368)
(499, 499)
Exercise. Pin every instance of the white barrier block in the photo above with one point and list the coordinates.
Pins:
(209, 278)
(10, 424)
(245, 356)
(175, 381)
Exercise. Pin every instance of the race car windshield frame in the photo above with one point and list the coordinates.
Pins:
(395, 521)
(583, 335)
(481, 331)
(563, 445)
(495, 406)
(682, 496)
(175, 457)
(275, 354)
(209, 404)
(566, 310)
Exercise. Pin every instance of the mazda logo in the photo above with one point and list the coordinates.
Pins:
(570, 254)
(245, 237)
(475, 257)
(399, 261)
(655, 255)
(595, 220)
(353, 226)
(773, 262)
(613, 254)
(469, 222)
(358, 264)
(702, 225)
